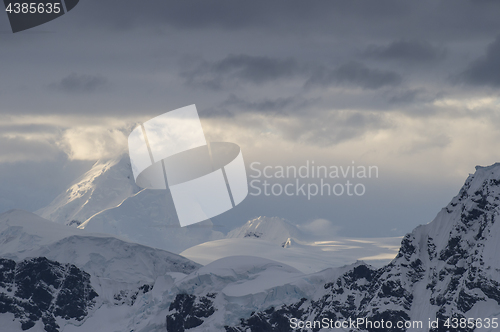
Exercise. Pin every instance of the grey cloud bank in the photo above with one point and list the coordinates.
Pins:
(406, 50)
(356, 74)
(75, 83)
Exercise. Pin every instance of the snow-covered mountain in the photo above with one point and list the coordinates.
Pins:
(107, 200)
(447, 269)
(56, 280)
(25, 235)
(149, 218)
(54, 277)
(275, 229)
(104, 186)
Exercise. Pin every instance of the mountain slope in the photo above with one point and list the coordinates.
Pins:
(24, 235)
(105, 185)
(149, 218)
(55, 278)
(270, 229)
(107, 200)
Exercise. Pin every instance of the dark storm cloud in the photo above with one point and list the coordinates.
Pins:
(354, 74)
(261, 69)
(269, 105)
(286, 105)
(256, 69)
(75, 83)
(190, 14)
(247, 68)
(485, 70)
(406, 50)
(443, 20)
(235, 105)
(330, 128)
(244, 42)
(403, 97)
(412, 96)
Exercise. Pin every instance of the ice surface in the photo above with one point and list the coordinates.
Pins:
(306, 257)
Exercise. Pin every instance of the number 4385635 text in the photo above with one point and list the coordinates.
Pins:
(33, 8)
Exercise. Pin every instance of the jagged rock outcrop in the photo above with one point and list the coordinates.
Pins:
(39, 289)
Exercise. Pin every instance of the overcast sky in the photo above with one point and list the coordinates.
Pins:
(408, 86)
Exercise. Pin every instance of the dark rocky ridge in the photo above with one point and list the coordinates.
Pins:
(40, 289)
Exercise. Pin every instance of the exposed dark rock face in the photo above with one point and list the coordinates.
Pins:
(128, 297)
(74, 223)
(188, 311)
(40, 289)
(253, 234)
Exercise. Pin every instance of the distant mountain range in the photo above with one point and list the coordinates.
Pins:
(281, 241)
(106, 200)
(59, 278)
